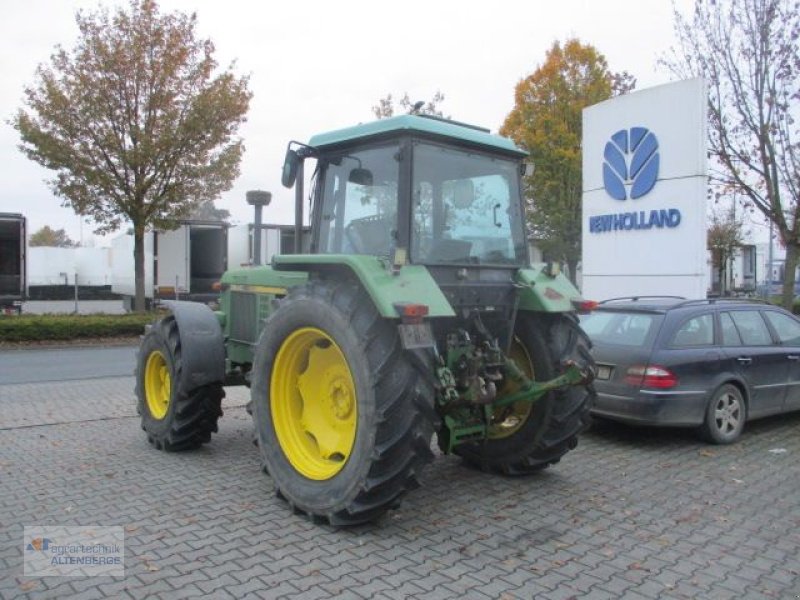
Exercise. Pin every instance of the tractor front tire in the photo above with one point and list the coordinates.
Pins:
(344, 420)
(173, 417)
(527, 438)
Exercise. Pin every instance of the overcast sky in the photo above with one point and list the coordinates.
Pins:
(317, 65)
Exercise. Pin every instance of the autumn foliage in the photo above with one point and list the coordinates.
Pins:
(547, 121)
(135, 121)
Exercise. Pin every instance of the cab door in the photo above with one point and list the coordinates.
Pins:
(787, 332)
(750, 352)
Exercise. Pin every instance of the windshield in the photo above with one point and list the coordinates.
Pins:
(466, 208)
(621, 328)
(359, 202)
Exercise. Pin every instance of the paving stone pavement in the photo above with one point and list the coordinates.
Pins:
(637, 514)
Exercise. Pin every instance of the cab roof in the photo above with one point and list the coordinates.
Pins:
(417, 124)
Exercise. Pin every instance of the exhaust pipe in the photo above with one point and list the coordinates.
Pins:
(259, 199)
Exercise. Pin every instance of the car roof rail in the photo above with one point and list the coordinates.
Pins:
(726, 300)
(637, 298)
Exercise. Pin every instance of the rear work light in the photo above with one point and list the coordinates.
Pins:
(651, 376)
(411, 313)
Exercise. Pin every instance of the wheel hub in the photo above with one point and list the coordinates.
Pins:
(340, 400)
(313, 403)
(727, 414)
(507, 420)
(157, 385)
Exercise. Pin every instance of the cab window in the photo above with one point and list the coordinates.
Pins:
(359, 202)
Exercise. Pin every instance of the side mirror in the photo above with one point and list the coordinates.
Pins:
(360, 176)
(290, 165)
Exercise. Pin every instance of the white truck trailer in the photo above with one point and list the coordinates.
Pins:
(180, 264)
(12, 262)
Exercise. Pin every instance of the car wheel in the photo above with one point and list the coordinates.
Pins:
(725, 415)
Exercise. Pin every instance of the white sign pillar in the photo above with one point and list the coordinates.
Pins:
(645, 193)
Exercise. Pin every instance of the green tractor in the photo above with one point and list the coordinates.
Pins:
(415, 311)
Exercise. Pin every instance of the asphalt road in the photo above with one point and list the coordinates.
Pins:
(65, 364)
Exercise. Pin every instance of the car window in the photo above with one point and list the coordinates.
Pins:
(697, 331)
(751, 327)
(787, 328)
(624, 329)
(730, 336)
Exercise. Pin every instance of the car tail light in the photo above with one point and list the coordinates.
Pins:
(651, 376)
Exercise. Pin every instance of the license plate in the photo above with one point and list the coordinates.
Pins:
(416, 335)
(603, 372)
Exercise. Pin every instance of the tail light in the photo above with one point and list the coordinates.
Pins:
(651, 376)
(411, 313)
(584, 306)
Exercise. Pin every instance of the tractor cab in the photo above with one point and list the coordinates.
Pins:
(417, 190)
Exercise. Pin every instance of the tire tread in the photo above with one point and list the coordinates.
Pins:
(196, 412)
(404, 402)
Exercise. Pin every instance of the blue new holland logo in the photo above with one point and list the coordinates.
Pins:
(630, 163)
(630, 170)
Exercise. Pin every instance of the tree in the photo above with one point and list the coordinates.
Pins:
(725, 235)
(547, 121)
(51, 237)
(135, 120)
(386, 108)
(207, 211)
(748, 52)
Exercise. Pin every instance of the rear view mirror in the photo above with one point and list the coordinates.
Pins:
(360, 176)
(290, 164)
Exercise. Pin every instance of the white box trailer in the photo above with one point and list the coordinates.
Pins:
(186, 262)
(275, 239)
(13, 270)
(180, 264)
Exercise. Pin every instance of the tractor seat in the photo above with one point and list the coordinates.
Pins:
(370, 235)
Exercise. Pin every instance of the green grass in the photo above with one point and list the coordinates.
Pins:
(34, 328)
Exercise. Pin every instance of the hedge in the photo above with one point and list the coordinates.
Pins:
(28, 328)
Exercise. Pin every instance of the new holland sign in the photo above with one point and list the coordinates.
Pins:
(644, 193)
(630, 170)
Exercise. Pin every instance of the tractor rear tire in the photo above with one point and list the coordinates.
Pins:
(549, 428)
(173, 417)
(343, 418)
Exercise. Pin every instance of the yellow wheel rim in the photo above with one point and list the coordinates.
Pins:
(507, 420)
(157, 385)
(313, 403)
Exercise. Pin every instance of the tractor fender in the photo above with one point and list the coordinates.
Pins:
(410, 284)
(202, 344)
(542, 292)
